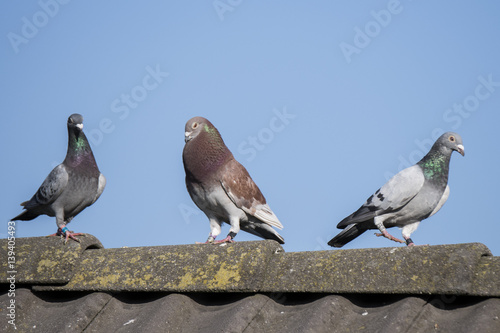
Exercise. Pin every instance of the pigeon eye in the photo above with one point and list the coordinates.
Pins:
(452, 138)
(194, 125)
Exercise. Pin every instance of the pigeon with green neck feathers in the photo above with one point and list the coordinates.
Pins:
(222, 188)
(409, 197)
(71, 186)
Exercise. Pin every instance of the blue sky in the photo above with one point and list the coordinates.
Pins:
(321, 101)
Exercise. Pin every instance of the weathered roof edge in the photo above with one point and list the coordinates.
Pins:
(262, 266)
(43, 260)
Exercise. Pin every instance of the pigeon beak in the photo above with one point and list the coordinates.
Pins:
(187, 136)
(461, 150)
(80, 126)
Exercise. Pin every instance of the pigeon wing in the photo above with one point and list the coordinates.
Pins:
(51, 188)
(394, 195)
(245, 194)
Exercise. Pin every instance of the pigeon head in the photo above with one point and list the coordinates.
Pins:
(75, 124)
(451, 141)
(436, 163)
(197, 125)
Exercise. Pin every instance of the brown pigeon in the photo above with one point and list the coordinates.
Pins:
(222, 188)
(409, 197)
(71, 186)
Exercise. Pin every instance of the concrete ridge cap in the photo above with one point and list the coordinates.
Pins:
(41, 260)
(422, 270)
(258, 266)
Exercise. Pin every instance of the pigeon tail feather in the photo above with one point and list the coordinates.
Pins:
(27, 215)
(348, 234)
(262, 230)
(266, 215)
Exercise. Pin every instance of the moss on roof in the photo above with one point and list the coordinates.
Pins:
(263, 266)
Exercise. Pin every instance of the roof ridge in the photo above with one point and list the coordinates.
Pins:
(258, 266)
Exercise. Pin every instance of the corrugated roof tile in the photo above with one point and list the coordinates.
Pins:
(251, 287)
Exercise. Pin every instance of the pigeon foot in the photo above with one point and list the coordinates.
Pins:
(389, 236)
(68, 234)
(409, 241)
(210, 240)
(228, 239)
(207, 242)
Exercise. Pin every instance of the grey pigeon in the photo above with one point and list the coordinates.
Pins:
(409, 197)
(222, 188)
(71, 186)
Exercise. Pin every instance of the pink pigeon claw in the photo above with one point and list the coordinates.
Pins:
(64, 232)
(389, 236)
